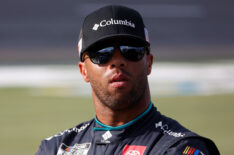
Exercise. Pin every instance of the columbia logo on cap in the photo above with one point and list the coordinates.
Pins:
(95, 27)
(112, 21)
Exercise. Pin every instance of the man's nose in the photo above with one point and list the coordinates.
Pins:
(117, 59)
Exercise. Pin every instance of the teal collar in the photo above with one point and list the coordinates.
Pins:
(109, 128)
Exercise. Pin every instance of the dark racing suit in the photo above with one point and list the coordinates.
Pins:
(149, 134)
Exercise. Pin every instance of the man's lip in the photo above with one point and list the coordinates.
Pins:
(118, 78)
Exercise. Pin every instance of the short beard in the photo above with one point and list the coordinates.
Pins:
(126, 101)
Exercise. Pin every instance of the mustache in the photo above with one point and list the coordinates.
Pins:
(123, 71)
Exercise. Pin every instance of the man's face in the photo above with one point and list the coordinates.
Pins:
(119, 83)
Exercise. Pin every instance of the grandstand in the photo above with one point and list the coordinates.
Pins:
(180, 30)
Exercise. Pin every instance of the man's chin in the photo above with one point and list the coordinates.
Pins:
(120, 103)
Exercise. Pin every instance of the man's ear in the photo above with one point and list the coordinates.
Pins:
(83, 71)
(150, 60)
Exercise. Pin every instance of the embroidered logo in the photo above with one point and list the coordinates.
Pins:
(112, 21)
(75, 129)
(107, 135)
(133, 150)
(77, 149)
(95, 27)
(166, 129)
(192, 151)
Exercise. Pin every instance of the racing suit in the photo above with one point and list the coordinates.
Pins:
(150, 133)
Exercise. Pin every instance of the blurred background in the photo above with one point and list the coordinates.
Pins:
(42, 92)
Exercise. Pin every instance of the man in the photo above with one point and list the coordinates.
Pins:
(115, 59)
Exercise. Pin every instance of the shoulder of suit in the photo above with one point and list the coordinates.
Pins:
(77, 129)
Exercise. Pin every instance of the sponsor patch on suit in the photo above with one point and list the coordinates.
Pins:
(77, 149)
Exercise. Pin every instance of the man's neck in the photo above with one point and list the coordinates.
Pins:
(112, 117)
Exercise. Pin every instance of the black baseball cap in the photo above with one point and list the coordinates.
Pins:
(112, 22)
